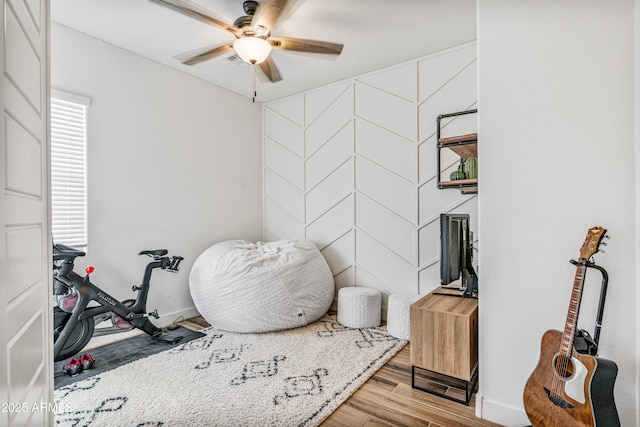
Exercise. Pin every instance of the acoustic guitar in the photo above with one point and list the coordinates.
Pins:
(568, 388)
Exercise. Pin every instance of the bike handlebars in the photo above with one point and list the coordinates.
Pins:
(155, 253)
(174, 264)
(171, 264)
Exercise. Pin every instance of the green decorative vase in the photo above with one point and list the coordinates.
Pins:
(458, 174)
(471, 168)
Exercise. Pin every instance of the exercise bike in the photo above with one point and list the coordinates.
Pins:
(74, 320)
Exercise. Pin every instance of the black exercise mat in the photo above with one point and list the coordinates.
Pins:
(119, 353)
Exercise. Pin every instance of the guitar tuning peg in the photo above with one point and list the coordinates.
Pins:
(606, 236)
(601, 251)
(603, 244)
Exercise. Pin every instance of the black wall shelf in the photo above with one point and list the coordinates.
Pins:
(464, 146)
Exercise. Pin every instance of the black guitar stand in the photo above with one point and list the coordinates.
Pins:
(582, 341)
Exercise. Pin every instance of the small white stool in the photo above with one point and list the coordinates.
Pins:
(398, 314)
(359, 307)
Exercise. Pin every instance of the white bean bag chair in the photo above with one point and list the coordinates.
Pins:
(240, 286)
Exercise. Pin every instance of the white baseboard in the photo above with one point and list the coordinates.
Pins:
(168, 319)
(500, 413)
(162, 322)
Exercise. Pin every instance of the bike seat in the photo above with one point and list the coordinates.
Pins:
(61, 251)
(156, 253)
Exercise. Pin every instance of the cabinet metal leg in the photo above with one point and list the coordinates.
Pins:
(442, 385)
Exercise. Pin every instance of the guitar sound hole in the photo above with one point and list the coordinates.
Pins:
(563, 367)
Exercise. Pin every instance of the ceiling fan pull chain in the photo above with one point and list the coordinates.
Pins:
(255, 93)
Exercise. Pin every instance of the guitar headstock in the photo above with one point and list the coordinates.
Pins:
(592, 242)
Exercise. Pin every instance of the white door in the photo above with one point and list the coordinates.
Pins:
(26, 363)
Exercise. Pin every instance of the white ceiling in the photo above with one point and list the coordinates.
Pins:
(375, 34)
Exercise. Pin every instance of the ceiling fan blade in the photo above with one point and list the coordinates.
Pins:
(203, 54)
(305, 45)
(270, 71)
(269, 13)
(201, 14)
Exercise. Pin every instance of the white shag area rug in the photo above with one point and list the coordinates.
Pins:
(296, 377)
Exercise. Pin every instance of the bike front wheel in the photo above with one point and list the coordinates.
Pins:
(78, 338)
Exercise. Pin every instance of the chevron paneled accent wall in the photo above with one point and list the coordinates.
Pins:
(352, 166)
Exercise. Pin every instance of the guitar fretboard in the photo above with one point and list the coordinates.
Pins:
(566, 345)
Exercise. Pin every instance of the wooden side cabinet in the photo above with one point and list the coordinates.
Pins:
(444, 341)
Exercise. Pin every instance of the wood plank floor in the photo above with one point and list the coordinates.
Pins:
(387, 399)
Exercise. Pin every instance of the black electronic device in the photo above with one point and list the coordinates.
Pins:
(456, 252)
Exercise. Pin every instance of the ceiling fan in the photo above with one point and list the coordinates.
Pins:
(252, 31)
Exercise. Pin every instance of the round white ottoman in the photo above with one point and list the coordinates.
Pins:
(359, 307)
(398, 314)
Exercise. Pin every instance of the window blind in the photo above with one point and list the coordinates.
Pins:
(68, 169)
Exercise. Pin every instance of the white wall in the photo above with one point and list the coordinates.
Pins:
(556, 101)
(637, 181)
(173, 162)
(352, 166)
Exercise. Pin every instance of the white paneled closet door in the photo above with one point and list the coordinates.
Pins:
(25, 240)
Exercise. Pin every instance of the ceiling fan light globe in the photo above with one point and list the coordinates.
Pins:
(252, 50)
